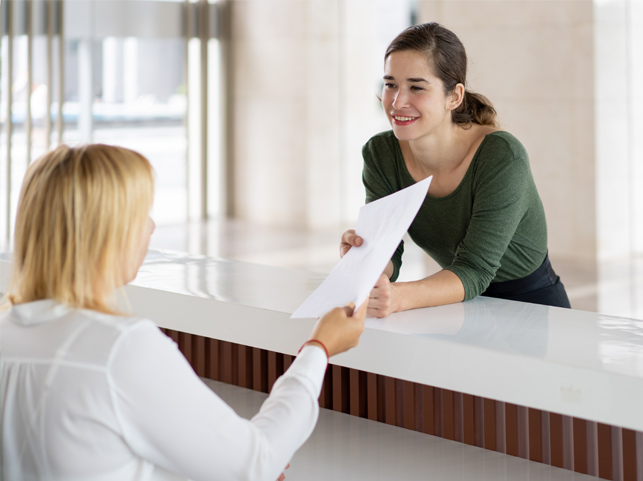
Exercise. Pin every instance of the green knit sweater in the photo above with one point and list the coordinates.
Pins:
(492, 228)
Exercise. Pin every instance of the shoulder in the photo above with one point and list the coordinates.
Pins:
(380, 145)
(110, 331)
(502, 145)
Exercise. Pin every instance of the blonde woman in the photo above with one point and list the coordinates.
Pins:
(89, 393)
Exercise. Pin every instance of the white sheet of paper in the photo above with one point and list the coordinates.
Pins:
(381, 224)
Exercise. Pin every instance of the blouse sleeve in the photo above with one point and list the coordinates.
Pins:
(500, 200)
(171, 418)
(378, 179)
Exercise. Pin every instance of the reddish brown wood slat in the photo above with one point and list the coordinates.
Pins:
(535, 436)
(580, 445)
(353, 376)
(438, 418)
(259, 370)
(501, 435)
(556, 439)
(213, 360)
(288, 360)
(272, 369)
(468, 419)
(371, 394)
(337, 388)
(448, 430)
(245, 366)
(185, 345)
(511, 429)
(604, 451)
(199, 361)
(225, 361)
(427, 402)
(629, 455)
(174, 335)
(234, 364)
(478, 406)
(458, 423)
(363, 401)
(409, 405)
(389, 400)
(490, 424)
(418, 408)
(522, 425)
(326, 396)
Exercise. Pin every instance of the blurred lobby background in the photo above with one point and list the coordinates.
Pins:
(253, 113)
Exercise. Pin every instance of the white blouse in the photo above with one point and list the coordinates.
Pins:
(89, 396)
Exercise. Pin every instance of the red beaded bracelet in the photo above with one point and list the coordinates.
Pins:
(318, 342)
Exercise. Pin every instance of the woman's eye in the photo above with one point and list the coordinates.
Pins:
(416, 88)
(389, 85)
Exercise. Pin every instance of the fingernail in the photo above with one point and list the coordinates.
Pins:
(351, 305)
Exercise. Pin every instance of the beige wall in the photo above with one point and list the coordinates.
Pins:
(304, 102)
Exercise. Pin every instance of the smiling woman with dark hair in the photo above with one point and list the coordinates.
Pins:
(483, 220)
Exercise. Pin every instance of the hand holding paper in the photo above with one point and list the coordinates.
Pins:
(381, 224)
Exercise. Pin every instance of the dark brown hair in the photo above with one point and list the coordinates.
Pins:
(446, 54)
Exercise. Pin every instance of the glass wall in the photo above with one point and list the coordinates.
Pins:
(125, 73)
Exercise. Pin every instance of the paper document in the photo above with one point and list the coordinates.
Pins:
(381, 224)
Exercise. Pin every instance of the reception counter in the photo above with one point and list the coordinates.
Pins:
(552, 385)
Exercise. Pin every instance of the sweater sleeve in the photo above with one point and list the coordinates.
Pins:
(378, 177)
(172, 419)
(500, 200)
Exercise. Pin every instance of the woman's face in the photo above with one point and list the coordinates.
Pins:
(413, 97)
(140, 251)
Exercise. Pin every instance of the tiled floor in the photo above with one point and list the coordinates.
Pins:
(614, 288)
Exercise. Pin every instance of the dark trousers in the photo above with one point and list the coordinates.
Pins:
(542, 286)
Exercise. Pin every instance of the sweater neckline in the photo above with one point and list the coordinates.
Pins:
(410, 180)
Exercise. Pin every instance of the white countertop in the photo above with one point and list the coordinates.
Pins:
(570, 362)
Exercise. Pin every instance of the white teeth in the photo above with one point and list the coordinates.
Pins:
(403, 119)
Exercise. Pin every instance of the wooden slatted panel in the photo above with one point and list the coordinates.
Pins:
(584, 446)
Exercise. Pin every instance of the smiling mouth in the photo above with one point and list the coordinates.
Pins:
(403, 120)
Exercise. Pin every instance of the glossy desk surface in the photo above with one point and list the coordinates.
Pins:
(559, 360)
(347, 447)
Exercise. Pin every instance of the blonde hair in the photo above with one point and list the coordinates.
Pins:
(80, 216)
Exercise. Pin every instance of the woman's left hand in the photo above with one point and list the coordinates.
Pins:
(382, 300)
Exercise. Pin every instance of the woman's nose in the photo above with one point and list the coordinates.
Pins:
(400, 100)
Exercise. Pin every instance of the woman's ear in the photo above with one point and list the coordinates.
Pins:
(456, 97)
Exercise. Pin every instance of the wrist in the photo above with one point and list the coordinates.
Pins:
(318, 343)
(397, 297)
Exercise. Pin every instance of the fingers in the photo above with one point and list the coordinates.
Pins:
(281, 477)
(349, 309)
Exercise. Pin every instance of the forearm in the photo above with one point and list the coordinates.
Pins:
(443, 287)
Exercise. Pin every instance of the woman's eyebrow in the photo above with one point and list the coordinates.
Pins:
(412, 79)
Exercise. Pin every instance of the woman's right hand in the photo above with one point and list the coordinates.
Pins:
(340, 329)
(349, 239)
